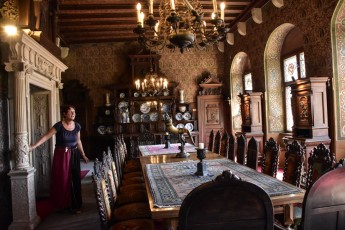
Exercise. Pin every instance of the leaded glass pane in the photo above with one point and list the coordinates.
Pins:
(248, 85)
(289, 118)
(302, 65)
(290, 68)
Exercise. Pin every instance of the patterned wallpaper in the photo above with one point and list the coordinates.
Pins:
(313, 17)
(98, 66)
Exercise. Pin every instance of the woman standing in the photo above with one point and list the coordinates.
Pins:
(66, 181)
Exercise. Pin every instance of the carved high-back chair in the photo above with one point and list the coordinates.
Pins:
(252, 153)
(269, 161)
(324, 202)
(293, 167)
(216, 145)
(320, 161)
(211, 141)
(241, 150)
(131, 216)
(224, 145)
(231, 150)
(237, 205)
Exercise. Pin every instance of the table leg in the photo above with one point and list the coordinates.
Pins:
(288, 215)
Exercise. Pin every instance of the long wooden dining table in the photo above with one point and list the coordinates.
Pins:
(283, 203)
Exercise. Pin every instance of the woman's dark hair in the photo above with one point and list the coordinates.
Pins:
(65, 108)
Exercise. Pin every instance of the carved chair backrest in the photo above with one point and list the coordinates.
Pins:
(294, 158)
(146, 138)
(269, 163)
(211, 141)
(108, 176)
(241, 149)
(237, 205)
(320, 161)
(224, 145)
(231, 150)
(102, 199)
(216, 146)
(324, 202)
(252, 154)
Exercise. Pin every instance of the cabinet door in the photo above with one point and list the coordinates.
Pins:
(210, 115)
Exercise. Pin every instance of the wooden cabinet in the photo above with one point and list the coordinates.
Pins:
(210, 115)
(309, 108)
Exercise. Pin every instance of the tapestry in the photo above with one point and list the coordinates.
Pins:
(171, 182)
(148, 150)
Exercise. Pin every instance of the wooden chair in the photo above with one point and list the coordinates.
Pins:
(269, 163)
(252, 154)
(211, 141)
(224, 145)
(237, 205)
(293, 166)
(125, 217)
(324, 202)
(320, 161)
(216, 145)
(231, 150)
(241, 150)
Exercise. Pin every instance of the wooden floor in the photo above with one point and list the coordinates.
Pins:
(88, 219)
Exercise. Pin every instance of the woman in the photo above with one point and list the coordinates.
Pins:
(66, 182)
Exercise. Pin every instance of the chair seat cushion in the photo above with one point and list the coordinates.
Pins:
(131, 196)
(142, 224)
(132, 174)
(132, 180)
(129, 187)
(132, 211)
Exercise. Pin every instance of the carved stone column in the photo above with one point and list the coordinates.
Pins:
(22, 176)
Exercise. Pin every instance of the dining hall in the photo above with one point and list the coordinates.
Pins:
(172, 114)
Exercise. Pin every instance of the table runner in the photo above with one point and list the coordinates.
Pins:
(171, 182)
(148, 150)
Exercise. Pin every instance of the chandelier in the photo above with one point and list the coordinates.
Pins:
(181, 24)
(152, 85)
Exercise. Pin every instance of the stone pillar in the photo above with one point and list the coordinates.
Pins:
(22, 176)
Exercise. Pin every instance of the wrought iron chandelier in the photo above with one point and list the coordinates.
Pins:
(180, 25)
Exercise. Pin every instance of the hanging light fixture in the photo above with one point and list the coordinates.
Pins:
(152, 84)
(180, 25)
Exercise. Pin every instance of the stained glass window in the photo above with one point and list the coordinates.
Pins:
(294, 68)
(290, 68)
(289, 118)
(248, 84)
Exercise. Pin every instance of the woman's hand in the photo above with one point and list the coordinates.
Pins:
(31, 147)
(85, 158)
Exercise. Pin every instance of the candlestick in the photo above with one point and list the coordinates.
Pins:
(222, 7)
(138, 12)
(142, 16)
(172, 4)
(214, 6)
(151, 7)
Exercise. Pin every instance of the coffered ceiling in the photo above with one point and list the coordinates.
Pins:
(96, 21)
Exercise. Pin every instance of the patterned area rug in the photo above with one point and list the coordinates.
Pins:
(171, 182)
(147, 150)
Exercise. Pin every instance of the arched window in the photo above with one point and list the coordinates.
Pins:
(293, 65)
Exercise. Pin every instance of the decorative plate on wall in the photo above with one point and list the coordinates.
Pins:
(187, 116)
(136, 117)
(154, 116)
(189, 126)
(181, 126)
(179, 116)
(145, 117)
(166, 108)
(144, 108)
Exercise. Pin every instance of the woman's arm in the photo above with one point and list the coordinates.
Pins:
(43, 139)
(81, 150)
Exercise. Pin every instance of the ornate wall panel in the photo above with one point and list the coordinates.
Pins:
(338, 33)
